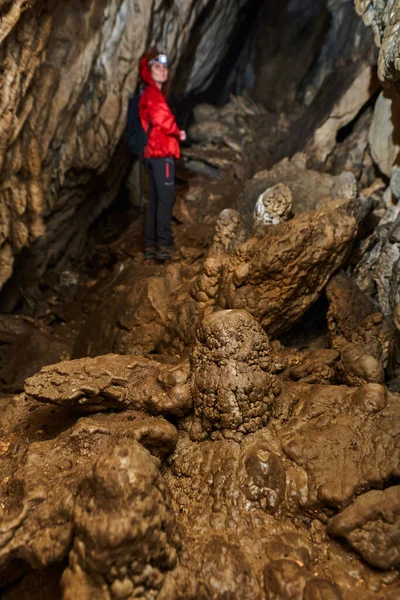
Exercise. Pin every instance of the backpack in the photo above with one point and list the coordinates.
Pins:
(136, 136)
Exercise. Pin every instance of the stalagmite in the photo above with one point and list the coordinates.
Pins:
(224, 424)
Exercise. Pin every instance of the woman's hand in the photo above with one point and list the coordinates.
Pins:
(182, 135)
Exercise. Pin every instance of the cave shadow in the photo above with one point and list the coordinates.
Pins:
(311, 326)
(218, 90)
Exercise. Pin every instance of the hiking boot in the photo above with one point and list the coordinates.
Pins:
(165, 253)
(150, 253)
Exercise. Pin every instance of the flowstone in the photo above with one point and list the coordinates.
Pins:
(273, 205)
(116, 382)
(126, 537)
(371, 525)
(231, 503)
(275, 277)
(36, 522)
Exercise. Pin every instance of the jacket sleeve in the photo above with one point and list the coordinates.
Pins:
(162, 117)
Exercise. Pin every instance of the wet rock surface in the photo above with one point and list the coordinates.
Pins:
(134, 499)
(246, 484)
(36, 521)
(225, 425)
(370, 525)
(231, 384)
(276, 277)
(224, 464)
(344, 439)
(114, 381)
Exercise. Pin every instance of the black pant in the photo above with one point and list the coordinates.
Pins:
(162, 196)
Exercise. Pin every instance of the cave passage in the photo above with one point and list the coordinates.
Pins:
(220, 423)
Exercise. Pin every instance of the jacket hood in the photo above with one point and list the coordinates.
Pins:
(145, 73)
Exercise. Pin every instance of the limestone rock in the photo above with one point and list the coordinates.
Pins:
(254, 483)
(371, 526)
(353, 318)
(233, 498)
(67, 75)
(114, 381)
(321, 589)
(352, 154)
(127, 545)
(345, 441)
(224, 571)
(231, 384)
(284, 578)
(347, 107)
(395, 182)
(376, 272)
(357, 366)
(136, 322)
(309, 188)
(25, 347)
(275, 277)
(326, 43)
(314, 366)
(275, 289)
(229, 231)
(256, 462)
(381, 15)
(205, 112)
(273, 206)
(36, 523)
(225, 135)
(208, 131)
(156, 434)
(396, 317)
(344, 186)
(382, 137)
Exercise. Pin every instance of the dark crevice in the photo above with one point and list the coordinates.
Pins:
(312, 324)
(348, 129)
(392, 482)
(228, 77)
(185, 65)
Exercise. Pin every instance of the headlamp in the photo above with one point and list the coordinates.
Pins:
(162, 59)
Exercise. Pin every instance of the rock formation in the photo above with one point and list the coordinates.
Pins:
(274, 205)
(256, 275)
(36, 522)
(224, 425)
(258, 468)
(370, 525)
(135, 515)
(116, 382)
(381, 16)
(58, 158)
(231, 352)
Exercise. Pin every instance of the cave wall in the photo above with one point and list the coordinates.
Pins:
(290, 36)
(66, 71)
(313, 60)
(382, 16)
(303, 46)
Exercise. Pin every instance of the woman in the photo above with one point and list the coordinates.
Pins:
(160, 152)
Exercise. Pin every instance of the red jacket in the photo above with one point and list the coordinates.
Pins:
(154, 111)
